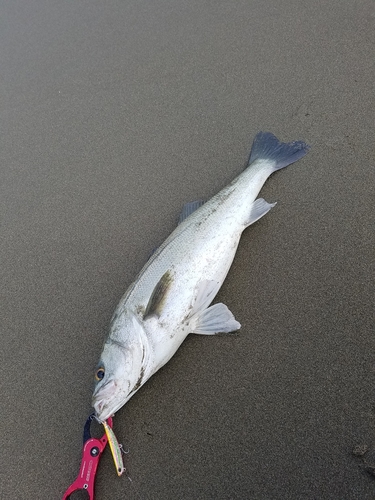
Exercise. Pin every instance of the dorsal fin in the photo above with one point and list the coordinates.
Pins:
(189, 208)
(158, 296)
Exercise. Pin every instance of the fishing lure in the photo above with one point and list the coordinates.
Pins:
(115, 448)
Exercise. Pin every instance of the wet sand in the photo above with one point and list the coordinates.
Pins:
(113, 115)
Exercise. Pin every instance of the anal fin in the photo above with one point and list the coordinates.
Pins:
(259, 208)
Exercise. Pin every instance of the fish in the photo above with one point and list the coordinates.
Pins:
(171, 296)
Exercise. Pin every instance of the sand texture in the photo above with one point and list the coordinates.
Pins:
(113, 114)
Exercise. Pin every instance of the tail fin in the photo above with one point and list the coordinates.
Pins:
(266, 146)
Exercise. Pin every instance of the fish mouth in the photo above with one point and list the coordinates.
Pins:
(106, 400)
(103, 411)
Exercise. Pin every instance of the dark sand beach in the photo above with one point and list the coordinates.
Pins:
(113, 115)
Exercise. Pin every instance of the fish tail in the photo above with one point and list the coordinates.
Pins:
(266, 146)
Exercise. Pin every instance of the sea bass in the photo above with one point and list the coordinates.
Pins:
(171, 296)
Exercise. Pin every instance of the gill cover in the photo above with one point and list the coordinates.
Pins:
(123, 365)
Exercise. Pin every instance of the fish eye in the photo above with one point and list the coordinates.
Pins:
(99, 375)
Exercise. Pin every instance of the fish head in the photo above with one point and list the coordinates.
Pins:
(119, 374)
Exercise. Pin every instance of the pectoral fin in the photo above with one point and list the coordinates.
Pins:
(215, 319)
(157, 300)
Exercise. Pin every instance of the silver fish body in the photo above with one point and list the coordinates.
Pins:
(172, 294)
